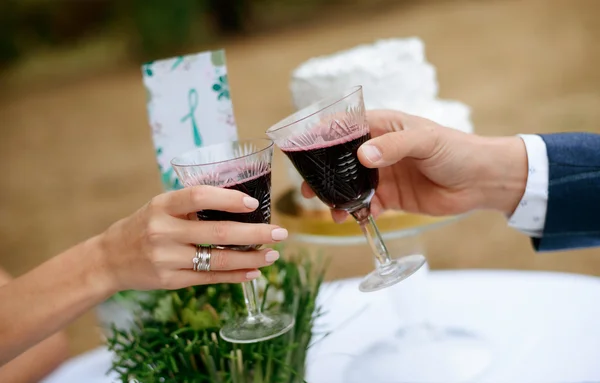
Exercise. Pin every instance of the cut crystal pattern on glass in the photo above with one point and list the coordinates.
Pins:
(322, 142)
(244, 166)
(224, 164)
(330, 127)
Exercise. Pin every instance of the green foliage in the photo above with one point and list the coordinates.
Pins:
(9, 49)
(152, 29)
(163, 27)
(176, 334)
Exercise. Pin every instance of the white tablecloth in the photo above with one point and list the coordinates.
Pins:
(542, 327)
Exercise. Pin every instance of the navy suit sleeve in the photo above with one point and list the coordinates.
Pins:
(573, 212)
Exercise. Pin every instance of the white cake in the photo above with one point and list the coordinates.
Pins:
(394, 74)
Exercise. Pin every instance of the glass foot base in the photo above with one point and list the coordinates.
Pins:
(399, 270)
(450, 360)
(257, 329)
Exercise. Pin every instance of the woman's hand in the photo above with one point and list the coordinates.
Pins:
(151, 249)
(154, 247)
(428, 169)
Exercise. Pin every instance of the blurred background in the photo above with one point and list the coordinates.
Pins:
(76, 147)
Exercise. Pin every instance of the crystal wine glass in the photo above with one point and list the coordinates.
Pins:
(243, 165)
(322, 141)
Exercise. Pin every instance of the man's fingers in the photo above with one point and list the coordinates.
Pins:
(339, 216)
(376, 207)
(392, 147)
(385, 121)
(306, 191)
(196, 198)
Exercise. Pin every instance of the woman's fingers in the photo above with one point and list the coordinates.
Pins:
(222, 259)
(184, 278)
(225, 232)
(196, 198)
(175, 265)
(226, 260)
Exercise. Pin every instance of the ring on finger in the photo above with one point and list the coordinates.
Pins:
(201, 261)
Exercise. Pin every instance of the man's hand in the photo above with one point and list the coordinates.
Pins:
(428, 169)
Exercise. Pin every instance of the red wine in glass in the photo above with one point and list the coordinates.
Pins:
(334, 172)
(322, 141)
(258, 187)
(243, 165)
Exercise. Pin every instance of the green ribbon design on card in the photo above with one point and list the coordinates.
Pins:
(193, 104)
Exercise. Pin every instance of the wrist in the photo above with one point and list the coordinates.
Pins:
(99, 276)
(502, 173)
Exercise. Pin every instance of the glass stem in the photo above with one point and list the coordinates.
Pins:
(251, 298)
(369, 228)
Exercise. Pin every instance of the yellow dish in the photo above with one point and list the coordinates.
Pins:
(300, 221)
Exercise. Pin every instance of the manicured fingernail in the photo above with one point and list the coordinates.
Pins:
(253, 274)
(371, 152)
(279, 234)
(272, 256)
(250, 203)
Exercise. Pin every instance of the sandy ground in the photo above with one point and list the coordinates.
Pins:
(77, 155)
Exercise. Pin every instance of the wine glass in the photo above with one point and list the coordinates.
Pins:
(322, 141)
(243, 165)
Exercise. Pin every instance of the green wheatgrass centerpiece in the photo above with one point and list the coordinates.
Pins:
(175, 335)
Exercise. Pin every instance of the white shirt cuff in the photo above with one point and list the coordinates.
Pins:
(530, 215)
